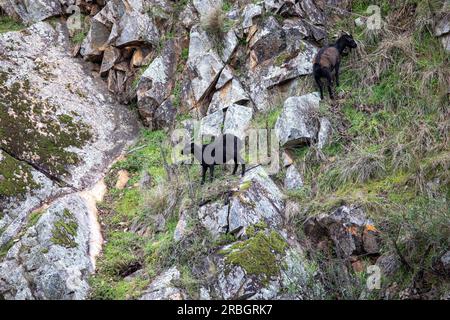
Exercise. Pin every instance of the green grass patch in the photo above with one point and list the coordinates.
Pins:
(8, 24)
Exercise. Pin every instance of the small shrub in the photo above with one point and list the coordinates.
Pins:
(356, 167)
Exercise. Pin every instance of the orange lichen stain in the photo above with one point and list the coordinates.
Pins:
(370, 227)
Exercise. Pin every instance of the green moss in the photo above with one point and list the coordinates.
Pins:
(5, 248)
(21, 111)
(65, 230)
(254, 229)
(79, 37)
(246, 185)
(283, 57)
(8, 24)
(34, 217)
(258, 255)
(15, 176)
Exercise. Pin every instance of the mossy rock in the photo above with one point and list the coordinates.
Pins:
(260, 255)
(15, 177)
(65, 230)
(30, 128)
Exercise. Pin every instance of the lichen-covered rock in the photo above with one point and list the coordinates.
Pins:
(164, 117)
(206, 69)
(135, 28)
(445, 260)
(250, 11)
(293, 180)
(230, 43)
(119, 24)
(48, 114)
(299, 274)
(188, 16)
(214, 217)
(442, 30)
(32, 11)
(211, 125)
(259, 268)
(57, 126)
(443, 26)
(111, 56)
(95, 42)
(389, 264)
(199, 42)
(155, 87)
(312, 12)
(205, 7)
(268, 42)
(274, 5)
(278, 54)
(297, 123)
(230, 93)
(51, 260)
(237, 120)
(349, 229)
(181, 228)
(225, 77)
(163, 287)
(249, 268)
(22, 188)
(259, 200)
(324, 133)
(60, 131)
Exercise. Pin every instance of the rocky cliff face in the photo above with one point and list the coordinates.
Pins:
(306, 222)
(60, 131)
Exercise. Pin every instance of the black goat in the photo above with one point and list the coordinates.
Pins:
(223, 149)
(329, 59)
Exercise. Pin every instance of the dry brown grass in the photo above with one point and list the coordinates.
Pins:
(214, 23)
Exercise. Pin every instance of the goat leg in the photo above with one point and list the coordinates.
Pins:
(211, 173)
(204, 168)
(330, 82)
(338, 65)
(235, 167)
(319, 84)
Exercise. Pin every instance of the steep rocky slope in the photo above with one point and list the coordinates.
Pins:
(60, 131)
(351, 190)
